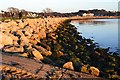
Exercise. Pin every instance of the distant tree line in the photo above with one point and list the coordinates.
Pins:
(16, 13)
(96, 12)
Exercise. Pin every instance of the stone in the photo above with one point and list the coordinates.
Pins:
(27, 34)
(37, 54)
(5, 39)
(12, 23)
(21, 25)
(68, 65)
(49, 53)
(24, 55)
(12, 48)
(24, 39)
(14, 39)
(42, 33)
(44, 51)
(94, 71)
(84, 69)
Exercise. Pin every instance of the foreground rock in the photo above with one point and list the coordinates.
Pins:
(14, 67)
(37, 54)
(68, 65)
(43, 51)
(94, 71)
(13, 48)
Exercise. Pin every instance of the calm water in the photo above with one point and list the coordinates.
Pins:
(102, 31)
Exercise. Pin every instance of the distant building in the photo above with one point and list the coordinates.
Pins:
(32, 14)
(87, 14)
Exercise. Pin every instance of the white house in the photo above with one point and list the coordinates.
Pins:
(88, 14)
(32, 15)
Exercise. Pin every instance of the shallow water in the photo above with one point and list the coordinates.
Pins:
(102, 31)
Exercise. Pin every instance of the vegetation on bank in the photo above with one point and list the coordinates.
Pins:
(66, 44)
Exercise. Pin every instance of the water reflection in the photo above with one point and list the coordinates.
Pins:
(90, 22)
(102, 31)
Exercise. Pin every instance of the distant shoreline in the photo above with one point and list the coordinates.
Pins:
(93, 17)
(84, 17)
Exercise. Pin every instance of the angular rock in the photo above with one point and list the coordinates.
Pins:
(5, 39)
(43, 51)
(24, 40)
(15, 39)
(94, 71)
(42, 33)
(12, 48)
(27, 33)
(84, 69)
(68, 65)
(24, 55)
(21, 24)
(37, 54)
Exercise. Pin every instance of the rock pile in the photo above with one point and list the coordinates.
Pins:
(24, 38)
(19, 68)
(68, 65)
(19, 36)
(56, 42)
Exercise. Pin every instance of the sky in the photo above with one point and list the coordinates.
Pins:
(60, 5)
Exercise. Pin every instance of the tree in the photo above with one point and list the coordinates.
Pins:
(47, 10)
(24, 12)
(13, 11)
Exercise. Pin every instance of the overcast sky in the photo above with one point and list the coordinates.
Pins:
(60, 5)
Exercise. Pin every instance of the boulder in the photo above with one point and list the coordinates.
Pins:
(13, 48)
(28, 29)
(27, 34)
(12, 23)
(23, 55)
(42, 33)
(5, 39)
(84, 69)
(94, 71)
(52, 35)
(21, 24)
(24, 40)
(37, 54)
(68, 65)
(15, 39)
(44, 51)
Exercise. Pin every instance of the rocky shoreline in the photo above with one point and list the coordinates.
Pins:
(56, 42)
